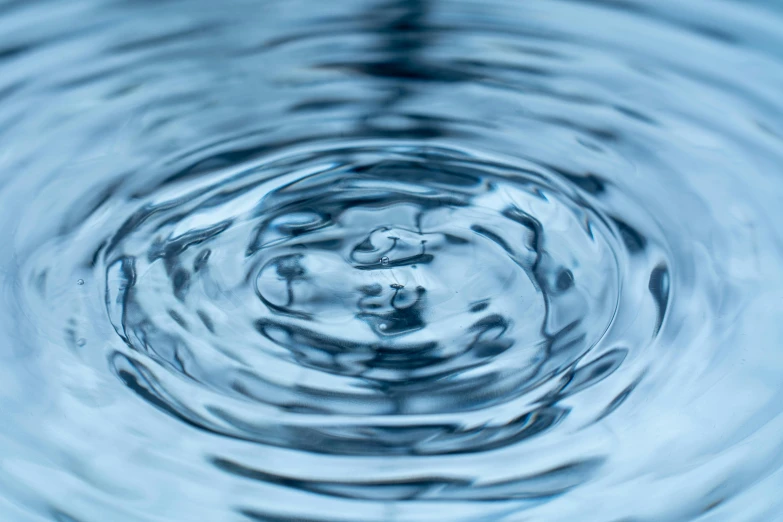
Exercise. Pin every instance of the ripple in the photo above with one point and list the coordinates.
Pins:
(376, 291)
(400, 260)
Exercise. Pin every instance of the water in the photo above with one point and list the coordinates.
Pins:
(406, 260)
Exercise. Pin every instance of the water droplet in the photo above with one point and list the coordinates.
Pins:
(81, 341)
(80, 282)
(384, 261)
(383, 326)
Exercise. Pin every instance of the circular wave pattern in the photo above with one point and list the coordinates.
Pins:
(376, 288)
(394, 261)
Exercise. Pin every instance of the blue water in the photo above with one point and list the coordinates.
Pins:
(393, 260)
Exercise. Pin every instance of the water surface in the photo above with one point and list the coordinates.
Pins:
(407, 260)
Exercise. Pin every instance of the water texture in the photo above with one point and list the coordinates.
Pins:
(404, 260)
